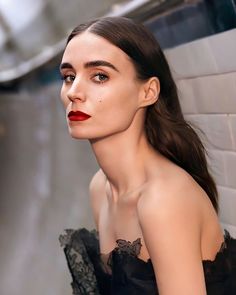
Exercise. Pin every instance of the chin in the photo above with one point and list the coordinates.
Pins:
(78, 135)
(97, 131)
(83, 134)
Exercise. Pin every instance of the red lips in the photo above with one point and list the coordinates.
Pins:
(78, 116)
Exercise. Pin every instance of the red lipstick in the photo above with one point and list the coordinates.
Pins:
(78, 116)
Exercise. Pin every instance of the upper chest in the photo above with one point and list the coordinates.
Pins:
(119, 221)
(119, 217)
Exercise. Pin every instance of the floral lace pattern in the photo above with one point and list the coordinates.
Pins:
(221, 259)
(82, 270)
(131, 248)
(91, 275)
(123, 247)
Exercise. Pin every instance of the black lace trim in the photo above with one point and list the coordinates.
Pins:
(131, 248)
(123, 247)
(65, 239)
(222, 263)
(77, 243)
(81, 268)
(223, 247)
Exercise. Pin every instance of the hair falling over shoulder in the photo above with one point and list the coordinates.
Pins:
(166, 129)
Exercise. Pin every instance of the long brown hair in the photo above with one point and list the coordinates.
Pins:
(166, 129)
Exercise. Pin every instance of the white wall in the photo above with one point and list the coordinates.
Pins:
(205, 72)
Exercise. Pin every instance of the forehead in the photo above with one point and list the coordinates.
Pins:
(88, 46)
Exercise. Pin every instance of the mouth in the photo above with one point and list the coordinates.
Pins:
(78, 116)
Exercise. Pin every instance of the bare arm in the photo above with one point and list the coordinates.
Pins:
(171, 229)
(97, 193)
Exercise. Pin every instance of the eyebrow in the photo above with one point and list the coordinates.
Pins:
(99, 63)
(90, 64)
(65, 65)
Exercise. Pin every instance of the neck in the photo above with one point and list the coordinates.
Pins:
(124, 158)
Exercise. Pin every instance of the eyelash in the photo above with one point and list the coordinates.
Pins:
(101, 75)
(64, 78)
(72, 77)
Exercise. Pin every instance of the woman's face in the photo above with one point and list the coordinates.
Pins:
(100, 81)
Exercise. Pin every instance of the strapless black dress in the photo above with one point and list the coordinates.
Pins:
(121, 272)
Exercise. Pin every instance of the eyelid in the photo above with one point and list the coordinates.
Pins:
(70, 74)
(65, 76)
(100, 71)
(101, 74)
(67, 72)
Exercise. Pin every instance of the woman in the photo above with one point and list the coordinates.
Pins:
(154, 201)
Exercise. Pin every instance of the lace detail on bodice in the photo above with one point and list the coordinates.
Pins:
(123, 247)
(65, 239)
(222, 261)
(122, 269)
(131, 248)
(80, 266)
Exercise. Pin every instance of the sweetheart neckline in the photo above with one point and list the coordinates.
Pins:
(81, 247)
(129, 244)
(66, 239)
(108, 255)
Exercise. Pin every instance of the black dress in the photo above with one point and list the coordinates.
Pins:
(121, 272)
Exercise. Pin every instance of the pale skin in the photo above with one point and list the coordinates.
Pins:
(137, 193)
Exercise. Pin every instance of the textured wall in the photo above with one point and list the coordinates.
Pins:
(205, 71)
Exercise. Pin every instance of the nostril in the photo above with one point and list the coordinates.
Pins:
(75, 93)
(75, 96)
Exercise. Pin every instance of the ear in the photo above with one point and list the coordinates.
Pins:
(150, 92)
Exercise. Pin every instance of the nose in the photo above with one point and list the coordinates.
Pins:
(75, 92)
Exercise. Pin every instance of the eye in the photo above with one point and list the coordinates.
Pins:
(68, 78)
(100, 77)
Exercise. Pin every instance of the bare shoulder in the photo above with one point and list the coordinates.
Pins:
(170, 216)
(173, 205)
(97, 193)
(173, 194)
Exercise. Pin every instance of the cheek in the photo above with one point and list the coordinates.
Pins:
(118, 107)
(126, 99)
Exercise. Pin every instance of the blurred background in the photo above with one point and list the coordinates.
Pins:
(44, 174)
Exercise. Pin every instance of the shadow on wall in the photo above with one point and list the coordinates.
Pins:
(193, 21)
